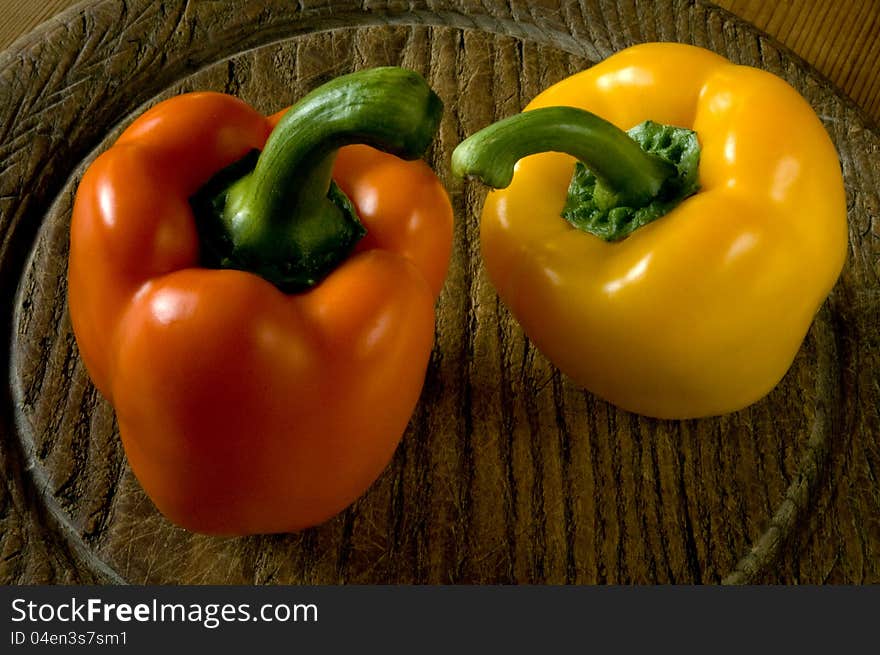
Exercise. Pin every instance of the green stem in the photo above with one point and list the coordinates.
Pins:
(622, 180)
(286, 220)
(618, 162)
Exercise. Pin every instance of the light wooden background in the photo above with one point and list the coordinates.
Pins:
(840, 38)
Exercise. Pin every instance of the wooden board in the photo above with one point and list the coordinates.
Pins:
(839, 38)
(508, 473)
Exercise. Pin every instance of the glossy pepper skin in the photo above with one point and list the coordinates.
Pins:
(702, 311)
(243, 409)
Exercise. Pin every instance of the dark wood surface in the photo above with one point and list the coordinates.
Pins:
(841, 38)
(508, 473)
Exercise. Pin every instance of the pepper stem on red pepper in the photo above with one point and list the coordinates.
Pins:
(278, 213)
(622, 180)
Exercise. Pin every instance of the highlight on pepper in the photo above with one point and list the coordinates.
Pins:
(257, 300)
(673, 269)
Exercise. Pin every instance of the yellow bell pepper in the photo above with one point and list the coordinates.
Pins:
(702, 311)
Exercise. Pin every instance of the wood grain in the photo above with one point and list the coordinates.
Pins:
(841, 39)
(508, 473)
(17, 18)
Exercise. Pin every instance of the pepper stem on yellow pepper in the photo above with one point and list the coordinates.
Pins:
(622, 180)
(279, 214)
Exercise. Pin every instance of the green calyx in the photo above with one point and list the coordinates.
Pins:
(592, 207)
(278, 213)
(622, 181)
